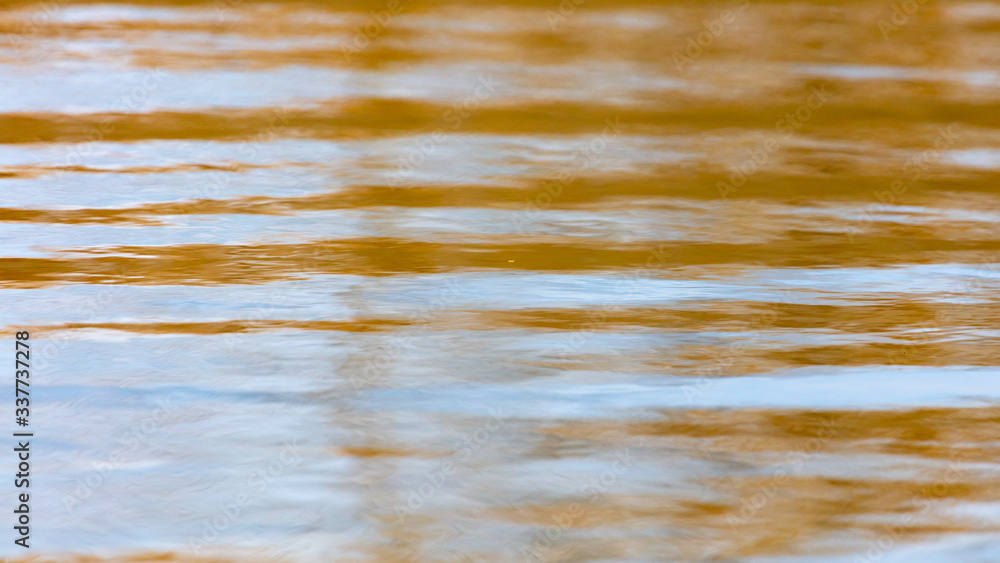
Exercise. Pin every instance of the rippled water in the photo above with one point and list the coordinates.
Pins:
(505, 281)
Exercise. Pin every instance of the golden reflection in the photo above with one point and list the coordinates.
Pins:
(805, 190)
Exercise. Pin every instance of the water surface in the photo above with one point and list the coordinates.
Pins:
(506, 281)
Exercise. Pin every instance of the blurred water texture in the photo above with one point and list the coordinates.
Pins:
(522, 280)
